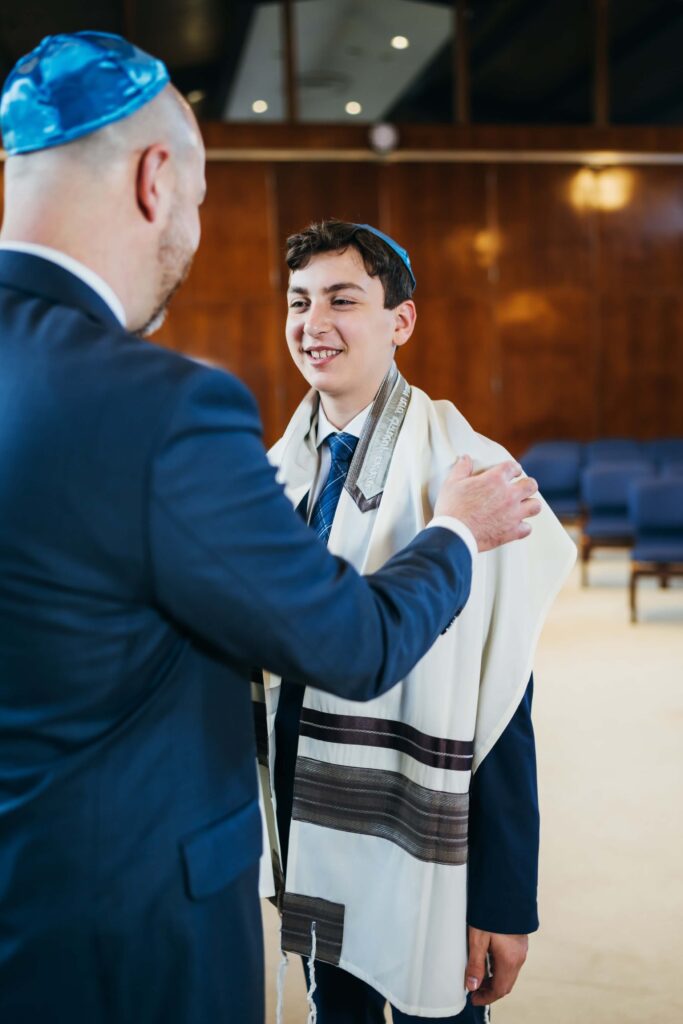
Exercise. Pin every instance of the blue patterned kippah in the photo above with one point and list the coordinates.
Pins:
(72, 85)
(398, 249)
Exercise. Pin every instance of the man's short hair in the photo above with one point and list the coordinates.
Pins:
(378, 258)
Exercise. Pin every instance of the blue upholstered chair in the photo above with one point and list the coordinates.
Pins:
(605, 493)
(556, 465)
(656, 508)
(614, 449)
(665, 450)
(671, 467)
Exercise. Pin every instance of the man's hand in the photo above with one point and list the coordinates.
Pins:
(493, 504)
(507, 954)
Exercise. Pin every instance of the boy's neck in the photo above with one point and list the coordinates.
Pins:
(341, 409)
(340, 412)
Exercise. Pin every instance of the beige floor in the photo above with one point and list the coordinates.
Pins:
(608, 714)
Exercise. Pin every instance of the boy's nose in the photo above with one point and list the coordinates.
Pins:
(316, 326)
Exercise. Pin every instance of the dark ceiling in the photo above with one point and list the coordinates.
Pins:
(531, 61)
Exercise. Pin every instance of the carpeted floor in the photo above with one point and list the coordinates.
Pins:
(608, 714)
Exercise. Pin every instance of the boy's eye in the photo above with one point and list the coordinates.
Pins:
(343, 302)
(297, 304)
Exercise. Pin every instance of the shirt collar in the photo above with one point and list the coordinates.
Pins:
(75, 267)
(355, 427)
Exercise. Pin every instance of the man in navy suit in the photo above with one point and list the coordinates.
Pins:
(147, 559)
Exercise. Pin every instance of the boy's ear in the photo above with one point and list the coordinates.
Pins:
(405, 316)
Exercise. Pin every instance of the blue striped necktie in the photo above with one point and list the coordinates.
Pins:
(342, 446)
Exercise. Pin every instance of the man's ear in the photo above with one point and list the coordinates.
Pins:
(405, 316)
(153, 181)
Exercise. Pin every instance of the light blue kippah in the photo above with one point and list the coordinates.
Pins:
(398, 249)
(71, 85)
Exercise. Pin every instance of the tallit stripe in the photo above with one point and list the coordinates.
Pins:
(428, 824)
(261, 732)
(298, 915)
(370, 466)
(358, 730)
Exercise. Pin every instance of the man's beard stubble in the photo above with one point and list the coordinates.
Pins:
(175, 265)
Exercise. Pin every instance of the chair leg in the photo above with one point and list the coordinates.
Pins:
(632, 594)
(585, 548)
(663, 581)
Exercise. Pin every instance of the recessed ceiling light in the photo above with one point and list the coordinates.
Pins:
(259, 106)
(352, 107)
(400, 42)
(196, 96)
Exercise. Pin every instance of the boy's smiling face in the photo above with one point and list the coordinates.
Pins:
(338, 332)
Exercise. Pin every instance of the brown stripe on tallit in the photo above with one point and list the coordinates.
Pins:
(299, 914)
(260, 731)
(428, 824)
(435, 751)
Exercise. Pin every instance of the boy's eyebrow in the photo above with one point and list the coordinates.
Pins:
(339, 287)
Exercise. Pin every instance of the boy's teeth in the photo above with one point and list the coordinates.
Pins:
(323, 354)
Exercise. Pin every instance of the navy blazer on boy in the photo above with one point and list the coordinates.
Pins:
(147, 559)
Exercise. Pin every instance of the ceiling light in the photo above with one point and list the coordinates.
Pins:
(196, 96)
(400, 42)
(259, 106)
(352, 107)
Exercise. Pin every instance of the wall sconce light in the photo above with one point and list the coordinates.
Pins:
(601, 188)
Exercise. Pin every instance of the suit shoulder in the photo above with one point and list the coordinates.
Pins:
(205, 392)
(166, 378)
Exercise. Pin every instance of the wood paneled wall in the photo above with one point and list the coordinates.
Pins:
(540, 317)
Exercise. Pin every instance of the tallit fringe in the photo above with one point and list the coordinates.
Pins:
(312, 1008)
(489, 972)
(281, 972)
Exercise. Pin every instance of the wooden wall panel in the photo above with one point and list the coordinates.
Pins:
(236, 257)
(642, 376)
(545, 306)
(449, 356)
(440, 213)
(228, 311)
(538, 314)
(641, 247)
(641, 303)
(548, 369)
(544, 239)
(243, 337)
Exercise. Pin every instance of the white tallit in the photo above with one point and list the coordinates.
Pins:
(377, 852)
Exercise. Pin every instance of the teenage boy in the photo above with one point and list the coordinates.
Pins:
(384, 809)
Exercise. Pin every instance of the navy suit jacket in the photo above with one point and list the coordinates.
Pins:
(147, 559)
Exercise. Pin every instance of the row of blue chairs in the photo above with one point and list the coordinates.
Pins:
(623, 494)
(559, 465)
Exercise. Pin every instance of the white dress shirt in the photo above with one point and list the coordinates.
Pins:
(75, 267)
(355, 428)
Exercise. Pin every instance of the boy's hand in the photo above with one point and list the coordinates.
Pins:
(493, 504)
(506, 954)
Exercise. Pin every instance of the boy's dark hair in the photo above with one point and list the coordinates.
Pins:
(336, 236)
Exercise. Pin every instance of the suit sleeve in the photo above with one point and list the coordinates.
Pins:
(504, 832)
(235, 566)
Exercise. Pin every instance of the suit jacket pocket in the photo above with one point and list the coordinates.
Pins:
(218, 853)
